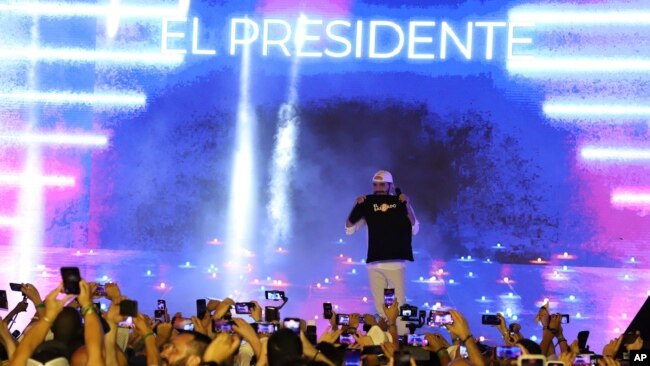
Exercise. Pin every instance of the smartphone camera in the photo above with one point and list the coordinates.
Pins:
(327, 310)
(274, 295)
(440, 318)
(508, 352)
(71, 278)
(244, 307)
(347, 339)
(408, 311)
(342, 319)
(265, 328)
(222, 326)
(389, 296)
(489, 319)
(183, 324)
(293, 324)
(416, 340)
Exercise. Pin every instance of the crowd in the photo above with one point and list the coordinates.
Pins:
(70, 330)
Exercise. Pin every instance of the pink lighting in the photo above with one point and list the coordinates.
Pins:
(44, 180)
(631, 198)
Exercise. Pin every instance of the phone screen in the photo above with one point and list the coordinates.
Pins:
(222, 326)
(243, 308)
(416, 340)
(265, 328)
(16, 287)
(183, 324)
(293, 324)
(4, 303)
(389, 296)
(582, 360)
(101, 290)
(327, 310)
(343, 319)
(352, 357)
(129, 308)
(346, 339)
(274, 295)
(162, 304)
(201, 308)
(71, 278)
(508, 352)
(440, 318)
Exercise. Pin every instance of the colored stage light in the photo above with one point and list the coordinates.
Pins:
(584, 17)
(572, 66)
(55, 139)
(68, 10)
(595, 110)
(614, 153)
(150, 58)
(624, 198)
(64, 98)
(6, 221)
(45, 180)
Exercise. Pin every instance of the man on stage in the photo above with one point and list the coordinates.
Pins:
(391, 223)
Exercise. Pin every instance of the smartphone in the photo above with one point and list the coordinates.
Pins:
(274, 295)
(327, 310)
(489, 319)
(129, 308)
(71, 278)
(416, 340)
(389, 296)
(98, 307)
(555, 363)
(352, 357)
(18, 287)
(565, 319)
(342, 319)
(266, 328)
(100, 291)
(222, 326)
(183, 324)
(161, 305)
(4, 303)
(508, 352)
(531, 360)
(201, 308)
(463, 351)
(583, 359)
(244, 307)
(440, 318)
(293, 324)
(346, 339)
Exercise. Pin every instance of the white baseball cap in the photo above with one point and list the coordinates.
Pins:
(383, 176)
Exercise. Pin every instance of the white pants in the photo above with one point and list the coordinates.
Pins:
(384, 275)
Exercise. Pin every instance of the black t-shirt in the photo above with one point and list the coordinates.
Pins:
(389, 228)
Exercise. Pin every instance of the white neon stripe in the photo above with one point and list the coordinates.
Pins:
(612, 153)
(580, 65)
(81, 55)
(602, 110)
(62, 98)
(55, 139)
(6, 221)
(44, 180)
(587, 17)
(630, 198)
(67, 10)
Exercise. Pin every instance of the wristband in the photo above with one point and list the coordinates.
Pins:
(467, 338)
(40, 306)
(88, 309)
(144, 338)
(560, 340)
(47, 320)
